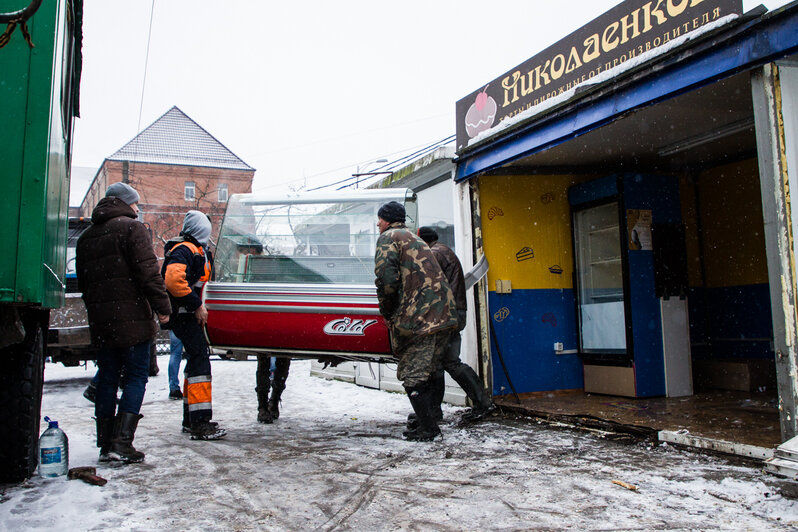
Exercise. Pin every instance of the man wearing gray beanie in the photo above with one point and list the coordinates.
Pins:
(118, 276)
(124, 192)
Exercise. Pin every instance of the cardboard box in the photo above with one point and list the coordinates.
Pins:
(610, 380)
(745, 375)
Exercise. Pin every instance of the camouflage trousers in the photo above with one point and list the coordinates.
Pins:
(420, 359)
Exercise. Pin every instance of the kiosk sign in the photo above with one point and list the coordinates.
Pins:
(619, 35)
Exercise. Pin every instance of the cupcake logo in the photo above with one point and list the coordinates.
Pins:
(481, 114)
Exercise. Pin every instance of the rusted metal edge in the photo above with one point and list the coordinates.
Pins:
(584, 421)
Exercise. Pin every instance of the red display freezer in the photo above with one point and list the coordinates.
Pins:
(294, 275)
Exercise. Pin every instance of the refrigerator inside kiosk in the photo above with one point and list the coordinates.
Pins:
(631, 281)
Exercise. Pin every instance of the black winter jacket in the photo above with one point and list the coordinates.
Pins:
(453, 271)
(118, 275)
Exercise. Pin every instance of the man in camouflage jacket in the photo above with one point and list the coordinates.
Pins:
(418, 306)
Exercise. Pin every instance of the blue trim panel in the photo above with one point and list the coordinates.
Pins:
(660, 194)
(606, 187)
(759, 42)
(534, 321)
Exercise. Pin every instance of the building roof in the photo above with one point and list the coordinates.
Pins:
(176, 139)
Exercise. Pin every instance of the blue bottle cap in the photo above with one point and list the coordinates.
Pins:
(52, 424)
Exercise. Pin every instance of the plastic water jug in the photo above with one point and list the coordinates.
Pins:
(53, 451)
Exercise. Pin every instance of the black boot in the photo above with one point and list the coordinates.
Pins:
(186, 416)
(274, 400)
(90, 392)
(438, 390)
(264, 414)
(207, 430)
(262, 386)
(471, 385)
(122, 443)
(154, 360)
(422, 399)
(105, 433)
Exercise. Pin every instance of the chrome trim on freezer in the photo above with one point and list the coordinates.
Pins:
(294, 309)
(291, 288)
(306, 353)
(271, 297)
(340, 196)
(293, 298)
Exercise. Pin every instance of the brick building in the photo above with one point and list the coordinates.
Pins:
(175, 165)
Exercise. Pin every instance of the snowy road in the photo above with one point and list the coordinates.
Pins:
(335, 461)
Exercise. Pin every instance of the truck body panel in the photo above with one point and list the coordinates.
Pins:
(34, 149)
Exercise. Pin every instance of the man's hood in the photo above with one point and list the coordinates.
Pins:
(197, 226)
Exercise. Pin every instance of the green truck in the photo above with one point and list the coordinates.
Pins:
(40, 59)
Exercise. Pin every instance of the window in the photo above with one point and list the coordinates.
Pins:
(303, 240)
(223, 193)
(188, 192)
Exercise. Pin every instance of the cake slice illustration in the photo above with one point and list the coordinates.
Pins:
(525, 253)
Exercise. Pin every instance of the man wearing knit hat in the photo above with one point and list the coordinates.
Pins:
(186, 268)
(118, 276)
(450, 360)
(419, 309)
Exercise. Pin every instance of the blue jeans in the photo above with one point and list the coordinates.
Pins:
(136, 361)
(176, 350)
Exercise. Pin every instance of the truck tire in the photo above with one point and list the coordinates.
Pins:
(21, 379)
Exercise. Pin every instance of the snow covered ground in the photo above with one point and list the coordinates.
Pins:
(335, 460)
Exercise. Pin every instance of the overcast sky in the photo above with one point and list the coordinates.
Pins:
(306, 91)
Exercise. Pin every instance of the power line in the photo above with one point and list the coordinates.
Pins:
(424, 148)
(146, 62)
(391, 166)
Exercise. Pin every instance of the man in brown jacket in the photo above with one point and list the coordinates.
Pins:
(450, 360)
(123, 290)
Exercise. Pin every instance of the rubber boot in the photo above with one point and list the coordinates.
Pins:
(264, 414)
(207, 430)
(90, 392)
(274, 400)
(471, 385)
(122, 443)
(422, 399)
(186, 425)
(262, 386)
(154, 369)
(105, 433)
(438, 390)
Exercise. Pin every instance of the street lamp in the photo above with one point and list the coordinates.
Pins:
(357, 174)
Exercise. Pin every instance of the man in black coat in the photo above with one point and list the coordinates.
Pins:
(461, 373)
(118, 276)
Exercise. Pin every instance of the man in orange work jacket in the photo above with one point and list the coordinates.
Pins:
(186, 267)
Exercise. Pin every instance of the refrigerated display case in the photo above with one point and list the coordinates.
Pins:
(294, 275)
